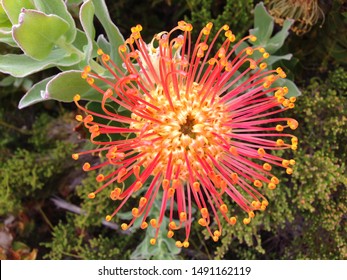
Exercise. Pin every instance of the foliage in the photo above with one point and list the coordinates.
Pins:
(46, 34)
(67, 243)
(82, 235)
(272, 43)
(263, 29)
(306, 217)
(324, 115)
(320, 196)
(27, 171)
(32, 167)
(334, 45)
(235, 13)
(165, 248)
(323, 47)
(86, 235)
(163, 15)
(56, 41)
(320, 182)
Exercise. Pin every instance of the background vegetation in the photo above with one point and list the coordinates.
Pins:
(44, 212)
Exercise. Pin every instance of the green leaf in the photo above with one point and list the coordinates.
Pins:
(274, 58)
(171, 245)
(64, 86)
(7, 81)
(74, 2)
(86, 17)
(104, 44)
(263, 24)
(6, 37)
(277, 41)
(37, 33)
(81, 40)
(113, 34)
(61, 87)
(14, 7)
(79, 43)
(25, 83)
(34, 95)
(4, 20)
(58, 7)
(22, 65)
(165, 247)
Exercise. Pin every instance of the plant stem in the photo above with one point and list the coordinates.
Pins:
(44, 216)
(71, 49)
(10, 126)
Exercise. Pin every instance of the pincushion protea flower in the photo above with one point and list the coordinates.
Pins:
(197, 131)
(306, 13)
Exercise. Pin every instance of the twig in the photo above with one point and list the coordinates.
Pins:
(10, 126)
(44, 216)
(77, 210)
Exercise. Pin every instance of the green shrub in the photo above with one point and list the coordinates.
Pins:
(237, 14)
(27, 174)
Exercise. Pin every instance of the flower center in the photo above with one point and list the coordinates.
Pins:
(187, 130)
(187, 127)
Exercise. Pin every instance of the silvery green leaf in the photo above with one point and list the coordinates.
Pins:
(113, 34)
(37, 33)
(14, 7)
(86, 17)
(58, 7)
(20, 65)
(34, 95)
(263, 24)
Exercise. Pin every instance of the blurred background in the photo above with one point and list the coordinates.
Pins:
(44, 209)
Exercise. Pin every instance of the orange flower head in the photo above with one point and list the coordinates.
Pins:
(201, 128)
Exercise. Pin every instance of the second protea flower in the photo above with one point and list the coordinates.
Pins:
(305, 13)
(200, 131)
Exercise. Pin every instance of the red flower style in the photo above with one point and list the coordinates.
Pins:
(200, 130)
